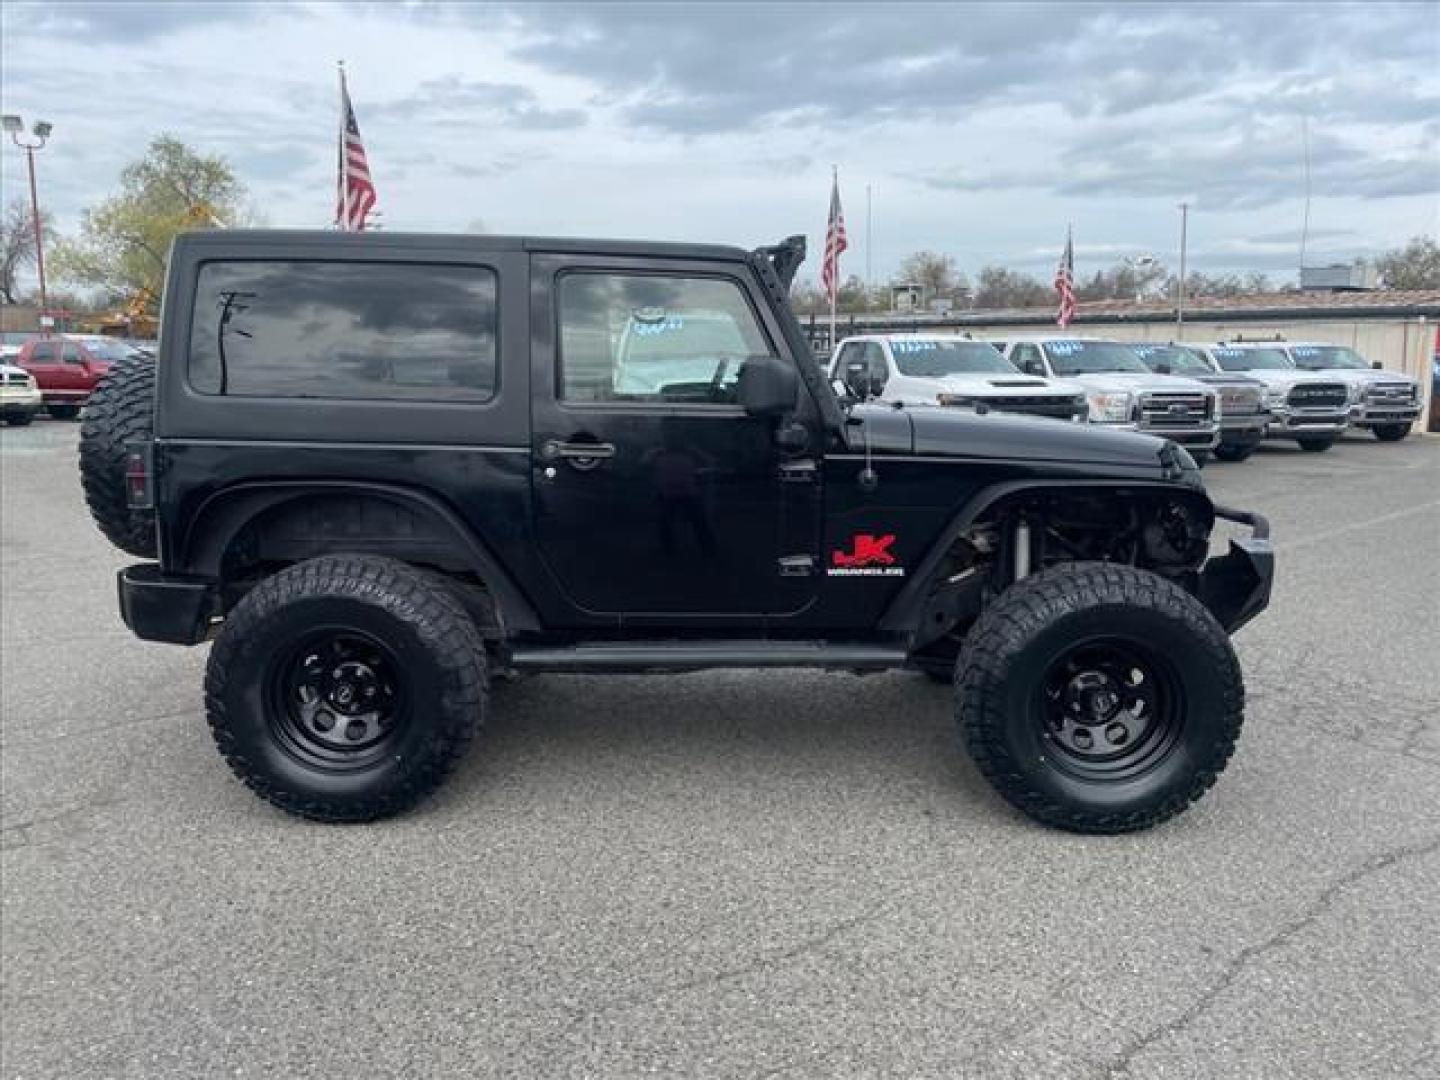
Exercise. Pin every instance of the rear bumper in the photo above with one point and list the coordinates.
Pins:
(155, 607)
(1236, 586)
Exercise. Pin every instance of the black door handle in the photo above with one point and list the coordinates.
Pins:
(554, 450)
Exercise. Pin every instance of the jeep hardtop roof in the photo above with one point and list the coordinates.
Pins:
(239, 238)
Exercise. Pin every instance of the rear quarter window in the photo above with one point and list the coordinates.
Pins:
(344, 330)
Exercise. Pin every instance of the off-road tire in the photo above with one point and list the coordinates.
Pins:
(120, 410)
(1234, 452)
(1000, 707)
(1391, 432)
(1316, 446)
(435, 644)
(1200, 457)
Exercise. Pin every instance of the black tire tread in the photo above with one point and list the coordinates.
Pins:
(459, 651)
(1038, 601)
(120, 410)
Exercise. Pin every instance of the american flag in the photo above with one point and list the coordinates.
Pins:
(1065, 283)
(835, 243)
(355, 193)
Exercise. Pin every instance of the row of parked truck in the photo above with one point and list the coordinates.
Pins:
(1220, 398)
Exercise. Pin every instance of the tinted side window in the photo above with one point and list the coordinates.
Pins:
(408, 331)
(1027, 359)
(72, 354)
(43, 353)
(654, 338)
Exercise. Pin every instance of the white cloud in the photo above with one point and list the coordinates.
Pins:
(982, 130)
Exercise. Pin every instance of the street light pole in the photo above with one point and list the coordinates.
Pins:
(1180, 297)
(41, 130)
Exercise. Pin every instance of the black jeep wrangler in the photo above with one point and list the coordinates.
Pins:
(378, 471)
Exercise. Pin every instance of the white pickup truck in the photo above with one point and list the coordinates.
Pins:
(949, 372)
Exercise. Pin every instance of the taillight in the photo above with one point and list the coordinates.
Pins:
(139, 476)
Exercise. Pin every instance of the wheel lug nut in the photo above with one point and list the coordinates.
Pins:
(1083, 740)
(1117, 734)
(354, 731)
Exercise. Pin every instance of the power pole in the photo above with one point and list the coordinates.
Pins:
(869, 243)
(1180, 298)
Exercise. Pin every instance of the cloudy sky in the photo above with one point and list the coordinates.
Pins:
(982, 129)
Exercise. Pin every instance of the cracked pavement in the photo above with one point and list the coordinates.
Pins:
(732, 874)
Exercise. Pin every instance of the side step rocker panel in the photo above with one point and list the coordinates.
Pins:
(703, 655)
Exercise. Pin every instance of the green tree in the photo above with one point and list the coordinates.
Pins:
(125, 240)
(1414, 266)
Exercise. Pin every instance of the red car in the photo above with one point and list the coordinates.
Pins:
(67, 369)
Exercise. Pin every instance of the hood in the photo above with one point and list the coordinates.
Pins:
(1135, 381)
(1228, 379)
(1003, 437)
(1359, 376)
(1285, 378)
(998, 384)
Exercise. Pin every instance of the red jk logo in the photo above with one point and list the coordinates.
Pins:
(869, 551)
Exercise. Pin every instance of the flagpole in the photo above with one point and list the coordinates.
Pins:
(835, 280)
(342, 201)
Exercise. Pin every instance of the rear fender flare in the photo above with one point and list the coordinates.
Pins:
(223, 515)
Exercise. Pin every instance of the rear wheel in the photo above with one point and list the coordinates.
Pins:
(1099, 698)
(63, 412)
(1391, 432)
(345, 688)
(19, 419)
(1234, 451)
(1315, 445)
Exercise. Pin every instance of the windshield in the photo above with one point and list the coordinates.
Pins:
(930, 358)
(682, 337)
(1089, 357)
(1180, 360)
(1233, 359)
(1316, 357)
(110, 351)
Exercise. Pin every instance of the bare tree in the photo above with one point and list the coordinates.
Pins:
(1415, 266)
(17, 244)
(930, 270)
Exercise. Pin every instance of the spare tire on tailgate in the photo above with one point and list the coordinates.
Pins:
(121, 410)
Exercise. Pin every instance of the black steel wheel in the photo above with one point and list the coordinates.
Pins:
(345, 688)
(1111, 708)
(1099, 698)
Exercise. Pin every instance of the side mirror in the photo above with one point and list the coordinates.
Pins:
(1162, 369)
(767, 386)
(1377, 365)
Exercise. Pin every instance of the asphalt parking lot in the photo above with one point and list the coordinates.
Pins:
(736, 874)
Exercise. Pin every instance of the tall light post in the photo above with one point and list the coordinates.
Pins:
(1180, 297)
(14, 125)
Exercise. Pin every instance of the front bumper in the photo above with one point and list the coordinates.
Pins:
(1363, 415)
(157, 607)
(1287, 423)
(1236, 586)
(1191, 438)
(20, 402)
(1239, 424)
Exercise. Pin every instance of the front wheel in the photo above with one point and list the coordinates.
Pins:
(1099, 698)
(1234, 451)
(1391, 432)
(345, 688)
(1316, 446)
(19, 419)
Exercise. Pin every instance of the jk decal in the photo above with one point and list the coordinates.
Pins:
(869, 556)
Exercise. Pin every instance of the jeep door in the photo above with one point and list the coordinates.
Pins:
(655, 497)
